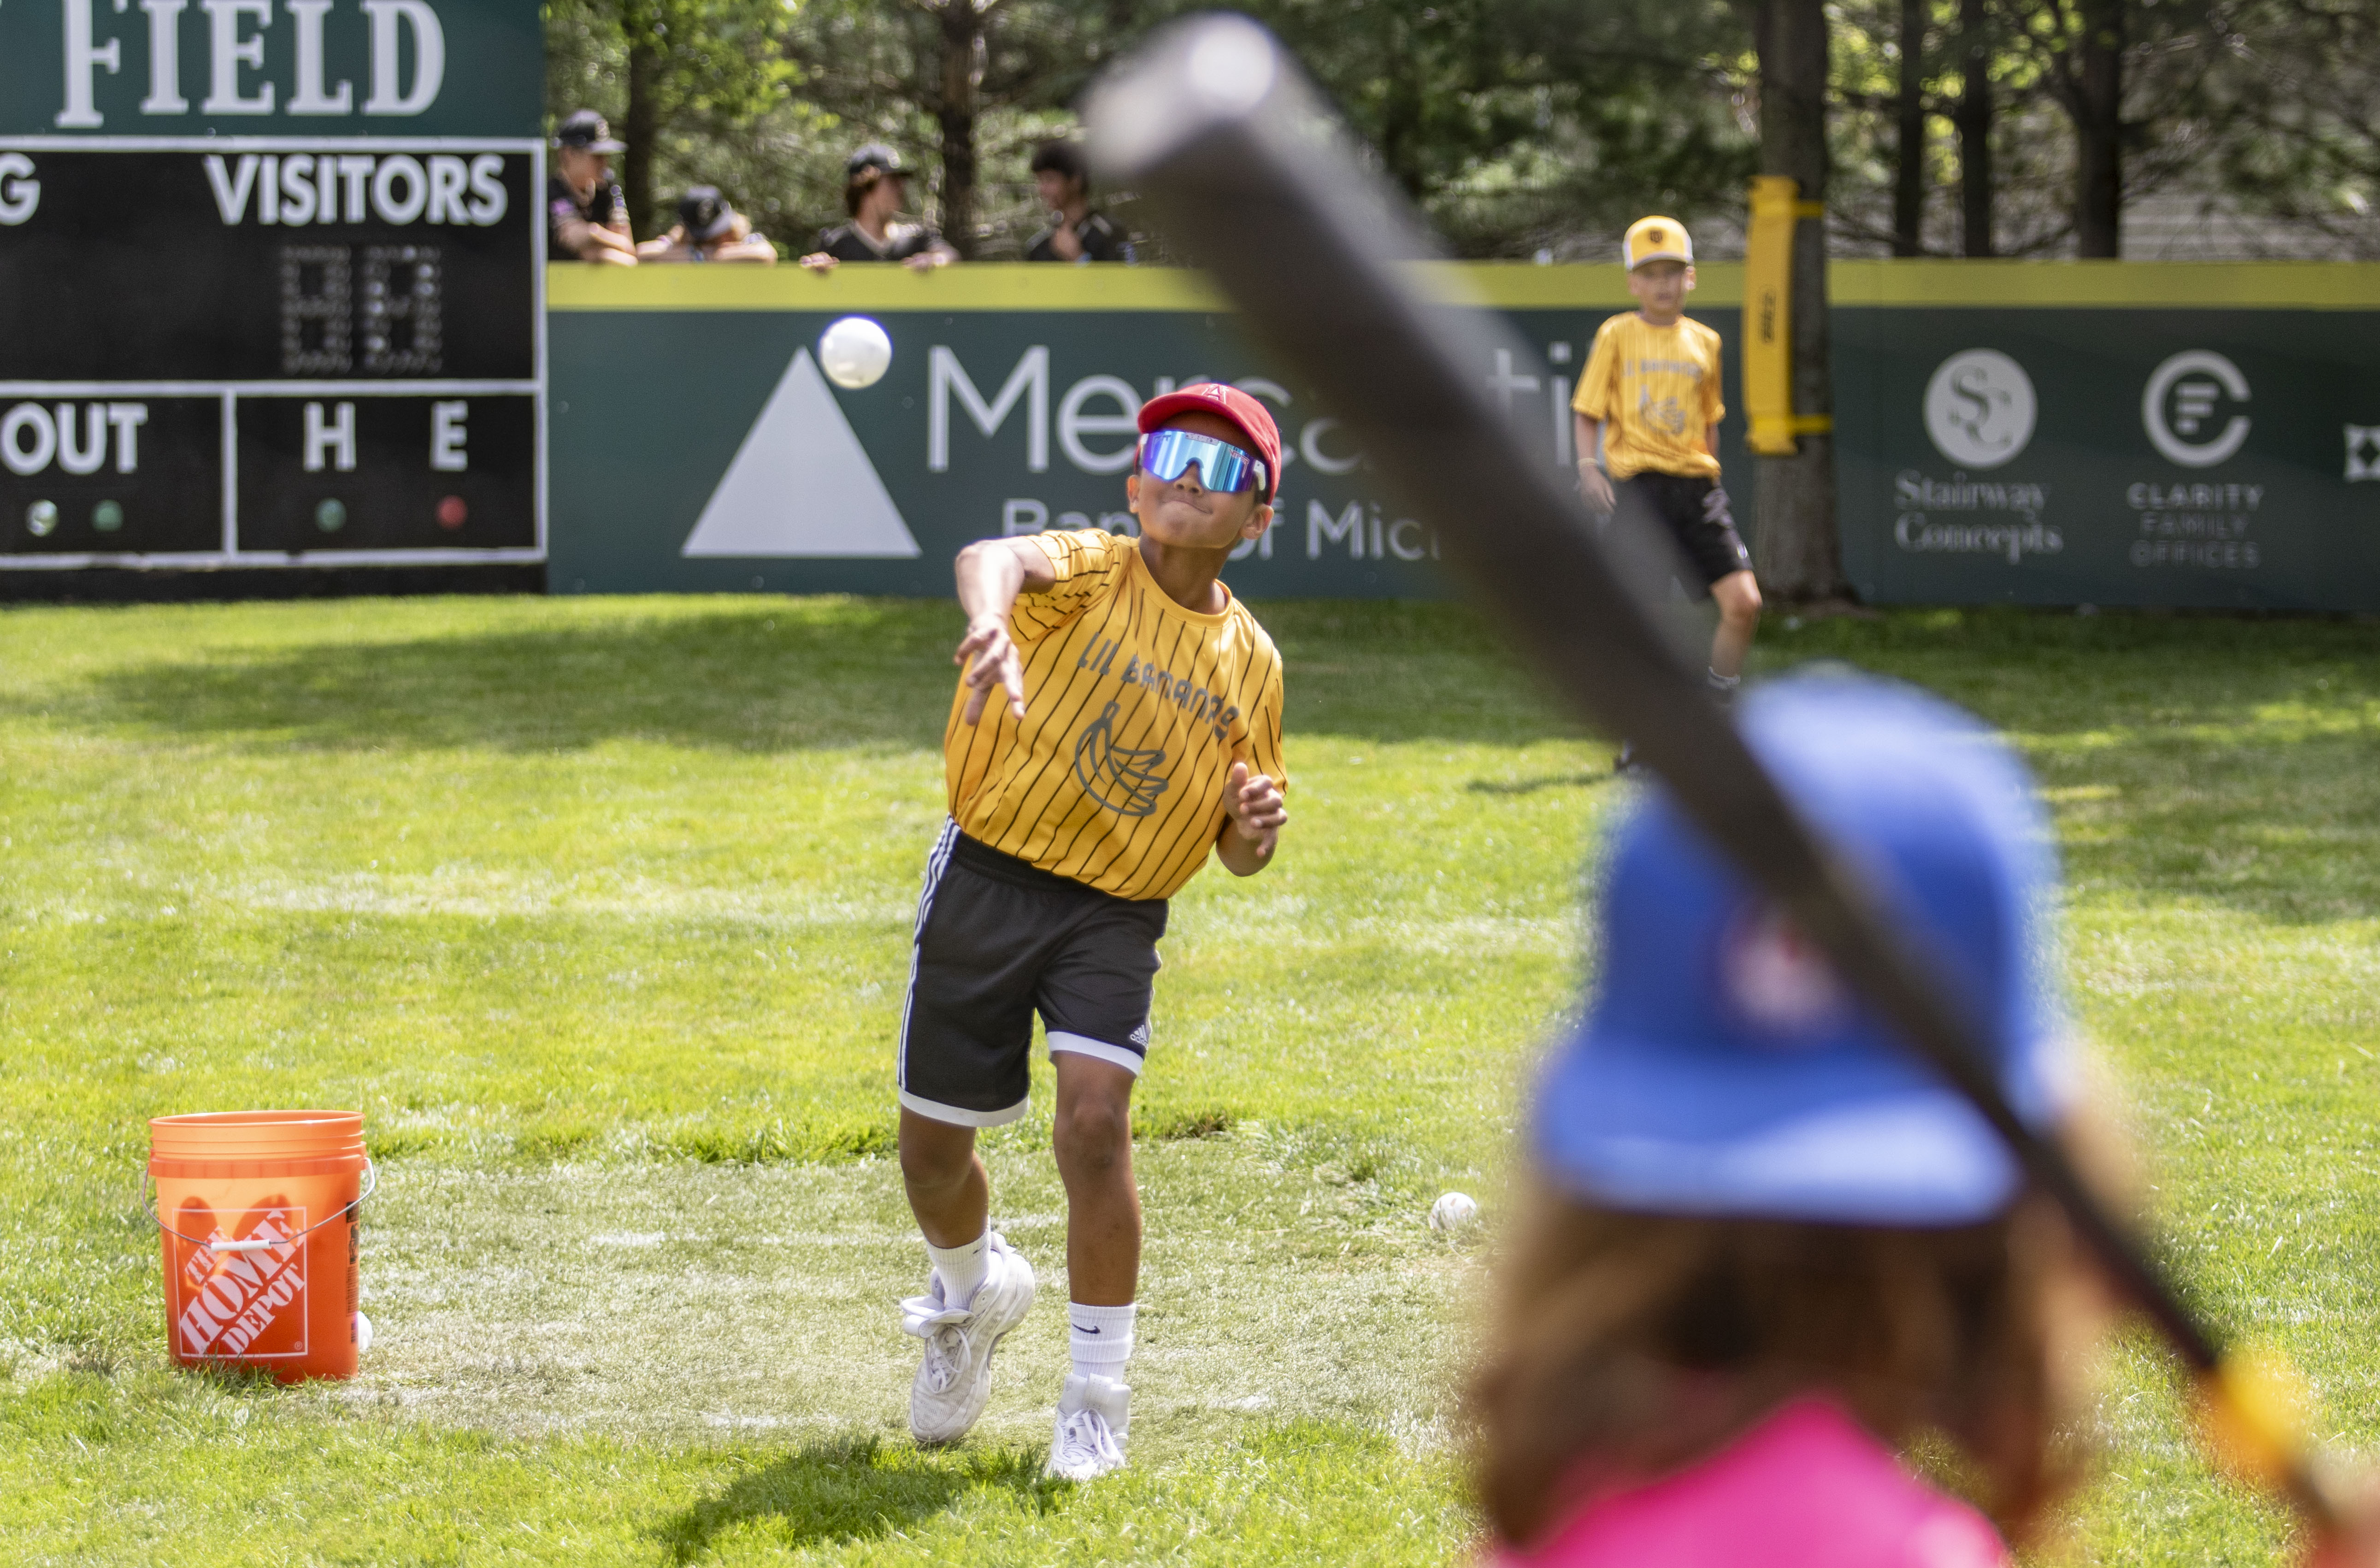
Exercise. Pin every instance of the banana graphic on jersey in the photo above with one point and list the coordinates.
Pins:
(1121, 778)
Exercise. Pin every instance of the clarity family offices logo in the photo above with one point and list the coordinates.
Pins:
(2193, 411)
(2181, 404)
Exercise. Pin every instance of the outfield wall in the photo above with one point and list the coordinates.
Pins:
(2185, 434)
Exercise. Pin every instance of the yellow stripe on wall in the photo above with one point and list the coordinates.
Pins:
(996, 286)
(2302, 286)
(1518, 285)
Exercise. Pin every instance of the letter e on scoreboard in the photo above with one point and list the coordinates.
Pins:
(449, 448)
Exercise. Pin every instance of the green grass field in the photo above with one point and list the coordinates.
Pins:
(598, 909)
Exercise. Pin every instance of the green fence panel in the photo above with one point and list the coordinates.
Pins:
(2007, 432)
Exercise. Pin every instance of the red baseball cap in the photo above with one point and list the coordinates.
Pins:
(1251, 417)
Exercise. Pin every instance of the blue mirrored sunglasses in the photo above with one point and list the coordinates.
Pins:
(1167, 455)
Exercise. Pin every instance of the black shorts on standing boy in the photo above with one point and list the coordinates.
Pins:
(1692, 509)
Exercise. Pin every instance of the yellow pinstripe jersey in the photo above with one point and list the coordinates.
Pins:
(1134, 710)
(1656, 391)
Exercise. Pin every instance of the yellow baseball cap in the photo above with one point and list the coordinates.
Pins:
(1656, 239)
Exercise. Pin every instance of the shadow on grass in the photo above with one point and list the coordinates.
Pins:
(1387, 671)
(751, 676)
(2237, 749)
(2047, 672)
(854, 1488)
(757, 680)
(1537, 786)
(2221, 759)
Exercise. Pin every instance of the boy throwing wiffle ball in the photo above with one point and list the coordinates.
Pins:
(1118, 717)
(1647, 410)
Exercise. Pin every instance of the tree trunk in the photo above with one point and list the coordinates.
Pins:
(1975, 131)
(2098, 131)
(1796, 547)
(1403, 111)
(1908, 174)
(963, 50)
(640, 127)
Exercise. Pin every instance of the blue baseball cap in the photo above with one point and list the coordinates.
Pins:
(1724, 1069)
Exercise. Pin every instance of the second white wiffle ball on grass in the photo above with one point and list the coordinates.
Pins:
(1452, 1212)
(855, 352)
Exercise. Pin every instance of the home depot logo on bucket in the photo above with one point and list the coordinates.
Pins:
(257, 1223)
(249, 1304)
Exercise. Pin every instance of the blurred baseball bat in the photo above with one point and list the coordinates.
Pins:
(1216, 126)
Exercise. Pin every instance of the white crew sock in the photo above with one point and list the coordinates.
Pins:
(962, 1268)
(1101, 1338)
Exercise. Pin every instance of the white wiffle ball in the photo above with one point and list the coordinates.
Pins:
(1452, 1212)
(855, 352)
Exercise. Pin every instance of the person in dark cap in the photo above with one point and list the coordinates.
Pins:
(587, 218)
(875, 189)
(1076, 232)
(707, 229)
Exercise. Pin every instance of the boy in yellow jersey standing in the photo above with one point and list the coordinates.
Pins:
(1135, 726)
(1649, 409)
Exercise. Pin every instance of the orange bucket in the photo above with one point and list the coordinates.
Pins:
(257, 1215)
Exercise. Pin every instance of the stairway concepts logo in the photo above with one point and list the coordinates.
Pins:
(1979, 408)
(1979, 413)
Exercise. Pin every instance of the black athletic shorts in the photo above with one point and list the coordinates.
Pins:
(1692, 511)
(1000, 939)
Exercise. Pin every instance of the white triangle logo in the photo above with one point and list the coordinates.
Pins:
(801, 484)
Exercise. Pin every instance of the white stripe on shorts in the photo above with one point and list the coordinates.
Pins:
(938, 860)
(1082, 1045)
(960, 1117)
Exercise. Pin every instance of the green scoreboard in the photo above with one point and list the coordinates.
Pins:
(270, 283)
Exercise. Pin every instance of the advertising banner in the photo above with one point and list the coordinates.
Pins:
(700, 447)
(2041, 434)
(2117, 447)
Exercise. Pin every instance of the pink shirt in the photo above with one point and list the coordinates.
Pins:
(1808, 1488)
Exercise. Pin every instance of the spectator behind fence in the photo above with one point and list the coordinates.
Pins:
(707, 229)
(875, 189)
(1076, 233)
(587, 218)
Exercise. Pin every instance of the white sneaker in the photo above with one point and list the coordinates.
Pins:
(954, 1380)
(1094, 1415)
